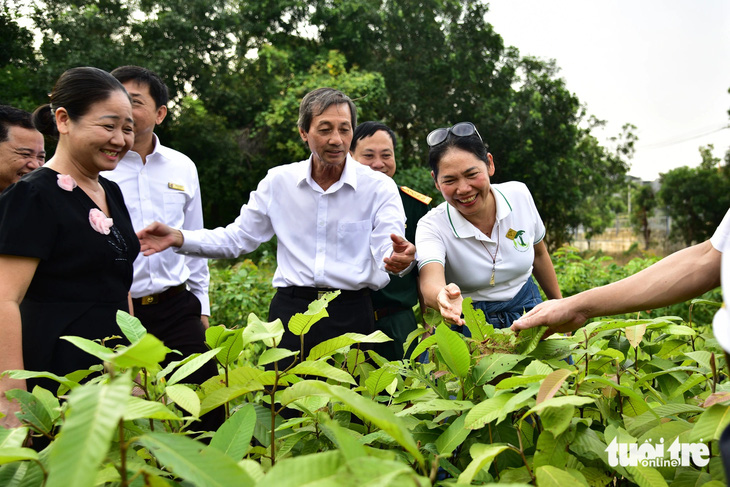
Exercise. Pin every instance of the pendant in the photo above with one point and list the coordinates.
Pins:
(491, 281)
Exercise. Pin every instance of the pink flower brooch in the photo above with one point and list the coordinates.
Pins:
(66, 182)
(99, 221)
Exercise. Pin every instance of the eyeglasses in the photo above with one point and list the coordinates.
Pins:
(461, 129)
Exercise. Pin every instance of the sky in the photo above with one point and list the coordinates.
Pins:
(661, 65)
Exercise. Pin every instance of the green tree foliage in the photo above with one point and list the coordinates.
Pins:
(696, 198)
(430, 64)
(643, 203)
(17, 63)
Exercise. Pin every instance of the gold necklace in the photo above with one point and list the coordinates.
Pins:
(494, 257)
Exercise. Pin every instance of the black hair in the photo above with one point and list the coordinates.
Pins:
(76, 90)
(158, 88)
(472, 144)
(368, 129)
(316, 102)
(13, 117)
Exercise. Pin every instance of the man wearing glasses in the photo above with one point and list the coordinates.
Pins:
(21, 145)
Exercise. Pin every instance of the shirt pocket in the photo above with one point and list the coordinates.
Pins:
(353, 242)
(174, 204)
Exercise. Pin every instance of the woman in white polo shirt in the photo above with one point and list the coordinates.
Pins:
(485, 241)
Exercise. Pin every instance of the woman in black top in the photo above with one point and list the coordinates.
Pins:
(66, 240)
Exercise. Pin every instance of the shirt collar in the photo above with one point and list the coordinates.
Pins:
(349, 175)
(463, 228)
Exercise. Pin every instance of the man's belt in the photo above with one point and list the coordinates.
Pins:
(159, 297)
(381, 313)
(313, 293)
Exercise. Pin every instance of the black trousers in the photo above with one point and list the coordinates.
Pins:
(349, 312)
(176, 321)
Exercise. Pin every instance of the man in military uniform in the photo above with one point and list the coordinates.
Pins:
(373, 144)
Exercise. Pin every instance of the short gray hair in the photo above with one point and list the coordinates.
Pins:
(316, 102)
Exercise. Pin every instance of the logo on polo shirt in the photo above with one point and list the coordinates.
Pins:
(519, 239)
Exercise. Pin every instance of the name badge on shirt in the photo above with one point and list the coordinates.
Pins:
(511, 234)
(178, 187)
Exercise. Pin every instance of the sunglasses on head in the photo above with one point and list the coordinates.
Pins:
(461, 129)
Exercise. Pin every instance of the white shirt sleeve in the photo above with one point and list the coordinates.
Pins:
(250, 229)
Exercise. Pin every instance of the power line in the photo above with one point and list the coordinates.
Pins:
(685, 138)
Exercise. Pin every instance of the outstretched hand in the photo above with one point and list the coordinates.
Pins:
(560, 315)
(404, 252)
(157, 237)
(450, 301)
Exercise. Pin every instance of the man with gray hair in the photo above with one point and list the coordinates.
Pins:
(21, 145)
(338, 224)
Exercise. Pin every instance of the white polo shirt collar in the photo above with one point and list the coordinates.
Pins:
(463, 228)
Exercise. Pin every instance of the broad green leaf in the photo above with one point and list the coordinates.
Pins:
(549, 476)
(673, 329)
(492, 366)
(345, 439)
(185, 398)
(637, 400)
(528, 339)
(639, 424)
(634, 334)
(434, 405)
(189, 460)
(231, 347)
(379, 415)
(552, 384)
(557, 420)
(376, 472)
(301, 323)
(191, 366)
(611, 352)
(453, 350)
(701, 357)
(551, 450)
(650, 377)
(328, 347)
(518, 401)
(379, 379)
(147, 352)
(454, 436)
(667, 431)
(32, 410)
(215, 335)
(422, 346)
(272, 355)
(537, 367)
(647, 476)
(482, 457)
(714, 304)
(29, 374)
(305, 470)
(50, 401)
(234, 436)
(486, 411)
(322, 369)
(711, 424)
(131, 327)
(92, 419)
(226, 394)
(519, 380)
(691, 382)
(13, 437)
(562, 401)
(137, 408)
(9, 454)
(475, 321)
(716, 398)
(91, 347)
(269, 333)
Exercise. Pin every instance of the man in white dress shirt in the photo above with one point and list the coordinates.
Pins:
(338, 224)
(169, 291)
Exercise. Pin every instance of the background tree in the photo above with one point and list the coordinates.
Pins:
(643, 203)
(696, 198)
(237, 70)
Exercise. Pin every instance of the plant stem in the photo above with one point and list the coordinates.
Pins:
(123, 454)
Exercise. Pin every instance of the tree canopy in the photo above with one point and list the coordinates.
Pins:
(238, 69)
